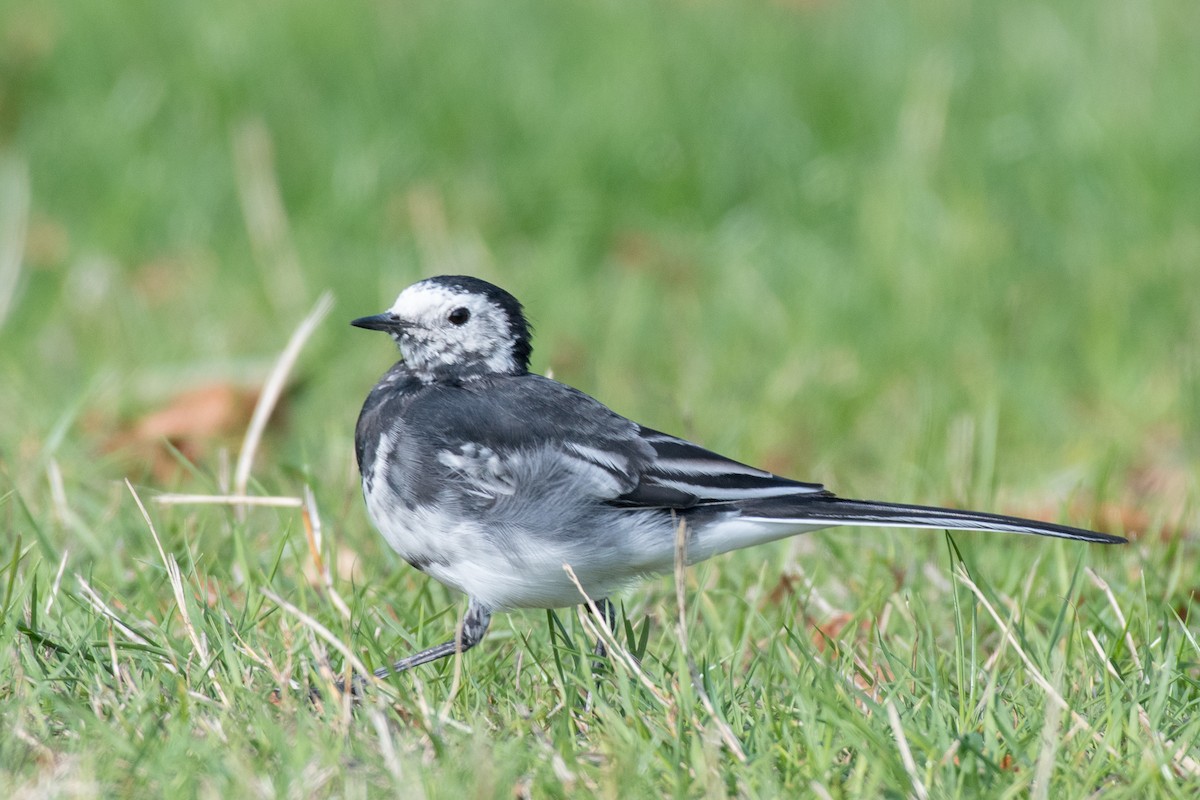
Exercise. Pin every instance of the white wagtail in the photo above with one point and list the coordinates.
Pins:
(490, 478)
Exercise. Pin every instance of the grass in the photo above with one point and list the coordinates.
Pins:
(939, 253)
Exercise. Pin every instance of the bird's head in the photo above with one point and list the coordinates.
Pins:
(456, 327)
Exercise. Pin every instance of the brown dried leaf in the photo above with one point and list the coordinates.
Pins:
(827, 631)
(785, 588)
(194, 422)
(207, 412)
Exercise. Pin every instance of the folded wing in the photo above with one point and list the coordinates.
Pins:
(682, 475)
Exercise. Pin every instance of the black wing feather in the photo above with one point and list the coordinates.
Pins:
(683, 475)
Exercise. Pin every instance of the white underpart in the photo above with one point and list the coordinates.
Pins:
(736, 533)
(433, 341)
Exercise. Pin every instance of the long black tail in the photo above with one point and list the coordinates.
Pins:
(828, 511)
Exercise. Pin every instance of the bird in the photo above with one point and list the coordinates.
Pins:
(490, 478)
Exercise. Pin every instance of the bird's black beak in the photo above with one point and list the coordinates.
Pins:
(387, 321)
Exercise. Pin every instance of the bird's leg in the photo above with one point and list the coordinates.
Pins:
(474, 625)
(609, 613)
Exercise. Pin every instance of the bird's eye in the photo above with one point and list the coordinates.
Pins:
(459, 316)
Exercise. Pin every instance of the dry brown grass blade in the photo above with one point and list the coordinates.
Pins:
(313, 532)
(274, 388)
(726, 733)
(597, 625)
(229, 500)
(199, 643)
(321, 632)
(1051, 693)
(906, 756)
(1103, 586)
(102, 608)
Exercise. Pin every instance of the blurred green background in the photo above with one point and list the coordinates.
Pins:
(936, 252)
(808, 232)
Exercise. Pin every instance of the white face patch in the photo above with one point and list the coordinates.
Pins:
(446, 328)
